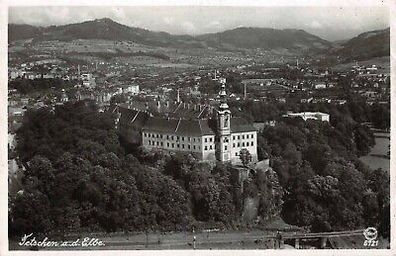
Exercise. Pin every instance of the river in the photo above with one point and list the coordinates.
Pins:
(377, 156)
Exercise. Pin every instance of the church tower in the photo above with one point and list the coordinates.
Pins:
(224, 126)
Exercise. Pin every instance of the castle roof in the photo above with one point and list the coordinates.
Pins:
(182, 127)
(161, 125)
(134, 118)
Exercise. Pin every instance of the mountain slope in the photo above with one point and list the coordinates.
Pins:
(103, 29)
(265, 38)
(365, 46)
(20, 32)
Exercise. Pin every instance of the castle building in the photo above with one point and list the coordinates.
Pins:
(208, 139)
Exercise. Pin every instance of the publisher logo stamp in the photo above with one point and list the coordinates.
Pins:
(371, 235)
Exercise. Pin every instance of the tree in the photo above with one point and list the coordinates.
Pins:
(245, 156)
(29, 213)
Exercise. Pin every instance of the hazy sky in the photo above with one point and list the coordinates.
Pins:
(331, 23)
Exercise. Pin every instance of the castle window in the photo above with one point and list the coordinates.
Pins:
(148, 134)
(194, 139)
(157, 143)
(172, 137)
(210, 147)
(206, 139)
(236, 153)
(188, 138)
(233, 145)
(210, 139)
(239, 144)
(188, 146)
(239, 137)
(194, 147)
(233, 137)
(162, 144)
(206, 147)
(145, 134)
(225, 147)
(177, 137)
(149, 142)
(182, 138)
(251, 136)
(167, 144)
(173, 145)
(252, 143)
(182, 145)
(243, 136)
(158, 136)
(243, 144)
(178, 145)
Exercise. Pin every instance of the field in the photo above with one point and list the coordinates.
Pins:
(136, 54)
(383, 63)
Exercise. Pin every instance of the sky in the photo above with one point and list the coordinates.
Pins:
(330, 23)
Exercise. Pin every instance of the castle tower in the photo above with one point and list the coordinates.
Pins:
(224, 126)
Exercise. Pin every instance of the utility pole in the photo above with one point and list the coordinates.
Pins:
(194, 238)
(146, 239)
(244, 91)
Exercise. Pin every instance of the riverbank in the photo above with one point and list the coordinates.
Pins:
(378, 158)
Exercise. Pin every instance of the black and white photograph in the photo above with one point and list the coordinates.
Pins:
(198, 127)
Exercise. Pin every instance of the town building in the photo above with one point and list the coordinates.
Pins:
(133, 89)
(88, 80)
(309, 115)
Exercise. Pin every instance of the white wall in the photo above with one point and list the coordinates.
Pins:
(210, 152)
(166, 142)
(247, 138)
